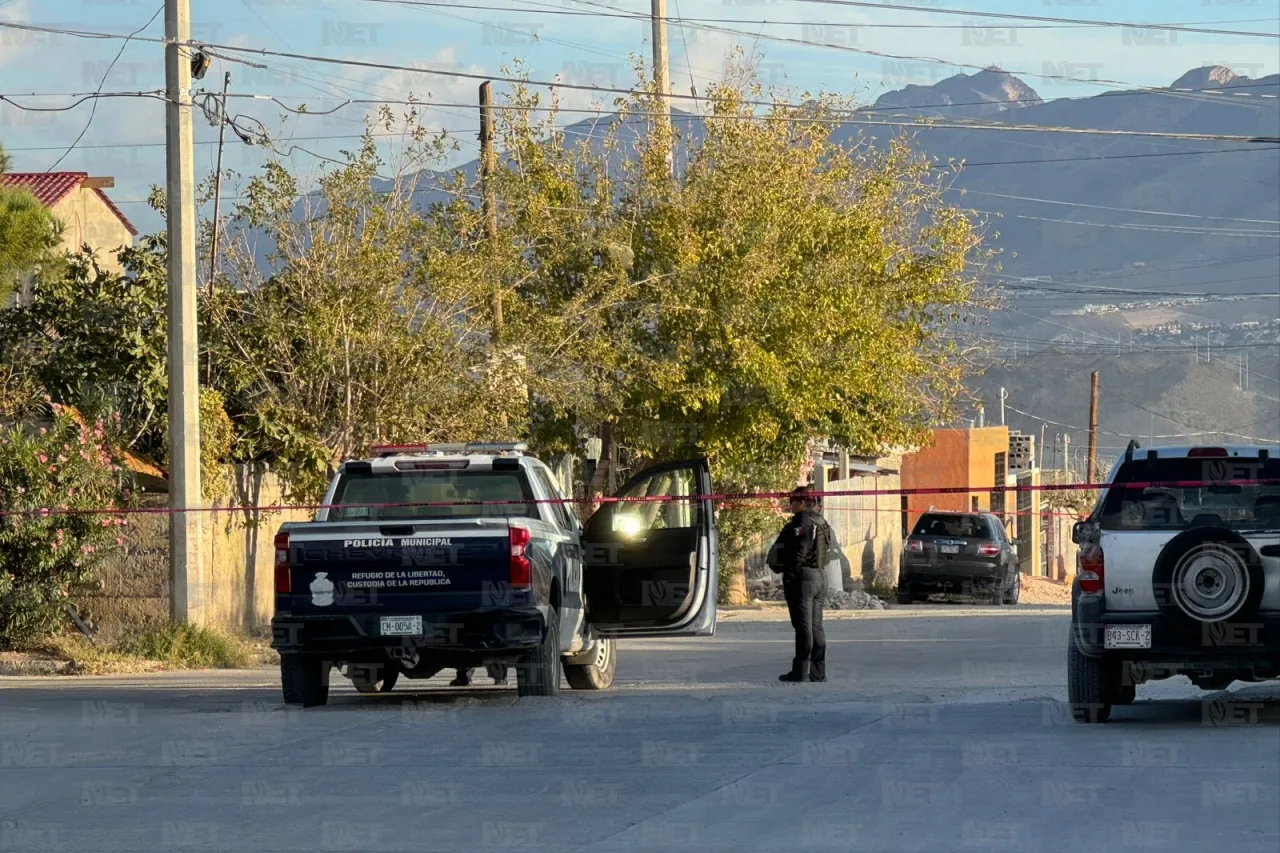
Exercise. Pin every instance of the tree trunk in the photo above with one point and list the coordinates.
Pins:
(735, 594)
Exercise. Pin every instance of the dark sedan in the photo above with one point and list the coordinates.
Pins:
(959, 552)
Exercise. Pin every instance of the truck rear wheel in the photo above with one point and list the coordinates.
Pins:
(304, 679)
(538, 673)
(598, 674)
(1088, 689)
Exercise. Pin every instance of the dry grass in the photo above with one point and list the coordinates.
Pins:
(152, 648)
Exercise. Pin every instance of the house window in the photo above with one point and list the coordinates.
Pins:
(973, 503)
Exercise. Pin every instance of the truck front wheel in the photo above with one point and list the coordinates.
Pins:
(598, 673)
(304, 679)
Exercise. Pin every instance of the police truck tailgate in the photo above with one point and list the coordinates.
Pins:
(412, 568)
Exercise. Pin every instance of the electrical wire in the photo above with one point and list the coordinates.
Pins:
(1109, 208)
(991, 163)
(868, 52)
(912, 122)
(934, 10)
(94, 111)
(678, 19)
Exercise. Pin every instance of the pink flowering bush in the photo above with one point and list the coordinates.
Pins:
(50, 541)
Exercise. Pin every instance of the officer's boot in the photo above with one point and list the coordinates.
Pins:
(463, 678)
(799, 671)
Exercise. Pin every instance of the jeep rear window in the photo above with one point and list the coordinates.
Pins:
(1241, 506)
(423, 487)
(959, 526)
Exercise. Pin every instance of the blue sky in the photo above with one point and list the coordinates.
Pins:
(125, 137)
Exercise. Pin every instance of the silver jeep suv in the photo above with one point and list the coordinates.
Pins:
(1178, 574)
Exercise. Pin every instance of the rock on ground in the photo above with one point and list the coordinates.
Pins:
(834, 600)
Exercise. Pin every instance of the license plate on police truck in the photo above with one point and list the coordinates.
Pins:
(1127, 637)
(400, 626)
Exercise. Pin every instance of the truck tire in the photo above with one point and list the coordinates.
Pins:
(597, 675)
(1088, 690)
(538, 672)
(1014, 592)
(304, 679)
(1208, 575)
(374, 677)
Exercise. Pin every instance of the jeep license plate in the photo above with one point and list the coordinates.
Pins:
(401, 626)
(1127, 637)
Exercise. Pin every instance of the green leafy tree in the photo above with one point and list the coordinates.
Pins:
(29, 235)
(347, 342)
(96, 339)
(785, 287)
(804, 289)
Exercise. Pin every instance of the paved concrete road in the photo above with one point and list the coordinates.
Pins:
(942, 730)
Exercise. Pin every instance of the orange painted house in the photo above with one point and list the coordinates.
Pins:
(956, 458)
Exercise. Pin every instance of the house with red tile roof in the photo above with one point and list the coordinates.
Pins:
(78, 201)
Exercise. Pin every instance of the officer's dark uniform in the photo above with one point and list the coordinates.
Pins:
(800, 555)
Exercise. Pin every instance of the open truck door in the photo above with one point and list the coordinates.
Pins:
(650, 560)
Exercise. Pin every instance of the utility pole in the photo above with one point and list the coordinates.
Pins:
(489, 165)
(185, 556)
(217, 183)
(662, 77)
(1004, 395)
(1093, 426)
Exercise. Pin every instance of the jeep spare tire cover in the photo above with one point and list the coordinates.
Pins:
(1208, 574)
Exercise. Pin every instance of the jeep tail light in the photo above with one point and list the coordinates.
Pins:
(282, 563)
(915, 545)
(1091, 568)
(521, 573)
(989, 549)
(1207, 453)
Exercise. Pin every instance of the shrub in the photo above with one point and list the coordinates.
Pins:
(186, 646)
(55, 480)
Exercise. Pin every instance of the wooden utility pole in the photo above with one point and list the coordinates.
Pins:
(662, 77)
(489, 165)
(185, 555)
(1093, 426)
(217, 183)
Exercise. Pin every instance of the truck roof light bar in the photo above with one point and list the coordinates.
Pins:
(382, 451)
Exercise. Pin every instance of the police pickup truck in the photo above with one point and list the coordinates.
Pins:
(430, 557)
(1178, 574)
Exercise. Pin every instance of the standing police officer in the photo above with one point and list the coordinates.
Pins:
(800, 555)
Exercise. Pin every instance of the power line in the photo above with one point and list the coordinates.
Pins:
(211, 48)
(679, 19)
(1109, 208)
(930, 59)
(94, 110)
(914, 121)
(846, 119)
(1254, 150)
(1166, 229)
(933, 10)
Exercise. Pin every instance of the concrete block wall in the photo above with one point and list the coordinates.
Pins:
(237, 591)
